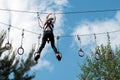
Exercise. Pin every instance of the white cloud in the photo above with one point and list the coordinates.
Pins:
(61, 2)
(45, 64)
(28, 21)
(99, 26)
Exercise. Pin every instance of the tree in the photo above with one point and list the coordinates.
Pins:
(107, 67)
(12, 68)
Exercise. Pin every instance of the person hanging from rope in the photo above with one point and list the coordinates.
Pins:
(48, 36)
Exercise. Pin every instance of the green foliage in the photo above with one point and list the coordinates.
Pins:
(106, 68)
(10, 65)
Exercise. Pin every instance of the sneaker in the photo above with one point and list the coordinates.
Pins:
(37, 56)
(58, 56)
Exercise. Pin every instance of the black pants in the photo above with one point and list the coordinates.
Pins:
(48, 35)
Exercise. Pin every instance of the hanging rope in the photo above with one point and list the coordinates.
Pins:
(38, 44)
(81, 53)
(8, 44)
(21, 49)
(108, 36)
(110, 53)
(40, 23)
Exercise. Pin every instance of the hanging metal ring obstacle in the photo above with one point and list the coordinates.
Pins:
(81, 53)
(8, 46)
(21, 49)
(111, 54)
(97, 54)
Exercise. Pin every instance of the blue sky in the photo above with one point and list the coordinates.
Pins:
(48, 67)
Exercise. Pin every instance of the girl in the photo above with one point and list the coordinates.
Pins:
(48, 36)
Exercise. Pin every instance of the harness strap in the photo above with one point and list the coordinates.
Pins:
(50, 26)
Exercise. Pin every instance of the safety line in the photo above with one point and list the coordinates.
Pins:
(73, 12)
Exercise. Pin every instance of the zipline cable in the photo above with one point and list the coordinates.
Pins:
(74, 12)
(17, 10)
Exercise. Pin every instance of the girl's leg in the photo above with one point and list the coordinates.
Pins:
(58, 56)
(44, 39)
(53, 43)
(37, 54)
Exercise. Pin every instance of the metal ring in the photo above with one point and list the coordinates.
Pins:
(96, 55)
(81, 52)
(8, 46)
(20, 50)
